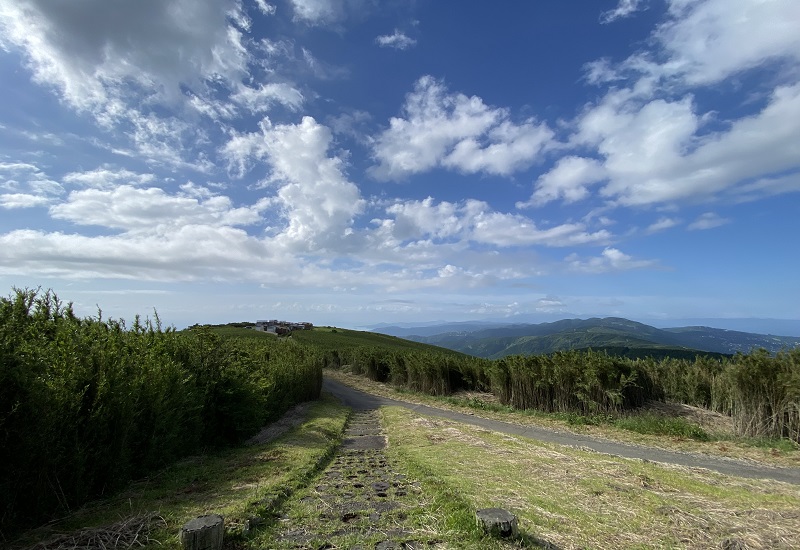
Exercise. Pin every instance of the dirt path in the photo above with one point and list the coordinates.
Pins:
(363, 401)
(359, 497)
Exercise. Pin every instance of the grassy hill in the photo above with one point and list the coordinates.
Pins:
(614, 335)
(333, 338)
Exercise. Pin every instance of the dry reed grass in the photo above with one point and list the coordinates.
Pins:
(131, 532)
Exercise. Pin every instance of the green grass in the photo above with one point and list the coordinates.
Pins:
(337, 339)
(642, 423)
(241, 483)
(774, 445)
(476, 403)
(452, 511)
(329, 339)
(571, 498)
(240, 332)
(656, 424)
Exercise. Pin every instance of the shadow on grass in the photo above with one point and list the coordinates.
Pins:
(238, 483)
(526, 540)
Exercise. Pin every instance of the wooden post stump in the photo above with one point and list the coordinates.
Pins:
(498, 522)
(203, 533)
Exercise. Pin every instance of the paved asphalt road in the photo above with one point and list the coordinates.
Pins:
(364, 401)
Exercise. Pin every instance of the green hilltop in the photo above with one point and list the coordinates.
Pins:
(334, 338)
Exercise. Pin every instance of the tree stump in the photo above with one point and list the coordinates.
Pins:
(498, 522)
(203, 533)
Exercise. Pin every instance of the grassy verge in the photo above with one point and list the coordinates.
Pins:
(649, 429)
(242, 483)
(449, 511)
(567, 498)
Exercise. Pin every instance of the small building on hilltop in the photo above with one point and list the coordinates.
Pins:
(281, 327)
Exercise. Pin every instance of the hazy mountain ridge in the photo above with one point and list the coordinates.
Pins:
(490, 340)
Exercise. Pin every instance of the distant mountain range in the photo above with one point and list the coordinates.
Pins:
(614, 334)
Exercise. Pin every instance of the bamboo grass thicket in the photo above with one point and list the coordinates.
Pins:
(87, 404)
(761, 392)
(764, 394)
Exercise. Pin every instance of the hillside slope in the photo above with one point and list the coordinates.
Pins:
(600, 333)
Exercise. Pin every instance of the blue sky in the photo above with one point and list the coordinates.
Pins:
(351, 162)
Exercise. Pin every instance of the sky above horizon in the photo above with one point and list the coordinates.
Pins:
(351, 162)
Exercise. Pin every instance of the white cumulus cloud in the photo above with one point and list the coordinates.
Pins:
(314, 194)
(455, 131)
(568, 180)
(22, 200)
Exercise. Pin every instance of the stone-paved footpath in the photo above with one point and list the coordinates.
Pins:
(359, 502)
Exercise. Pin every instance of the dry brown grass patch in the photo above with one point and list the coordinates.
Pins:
(578, 499)
(131, 532)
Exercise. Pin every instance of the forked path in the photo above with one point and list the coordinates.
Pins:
(360, 400)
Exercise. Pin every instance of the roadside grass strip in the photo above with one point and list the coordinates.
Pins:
(646, 427)
(246, 485)
(570, 498)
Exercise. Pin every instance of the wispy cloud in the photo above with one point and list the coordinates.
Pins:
(625, 8)
(265, 7)
(397, 40)
(662, 224)
(709, 220)
(611, 259)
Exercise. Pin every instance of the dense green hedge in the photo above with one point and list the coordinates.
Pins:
(88, 404)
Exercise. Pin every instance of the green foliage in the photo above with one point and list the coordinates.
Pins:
(478, 404)
(87, 404)
(763, 394)
(582, 382)
(655, 424)
(773, 444)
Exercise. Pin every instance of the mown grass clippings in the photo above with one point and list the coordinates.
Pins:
(450, 514)
(570, 498)
(244, 485)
